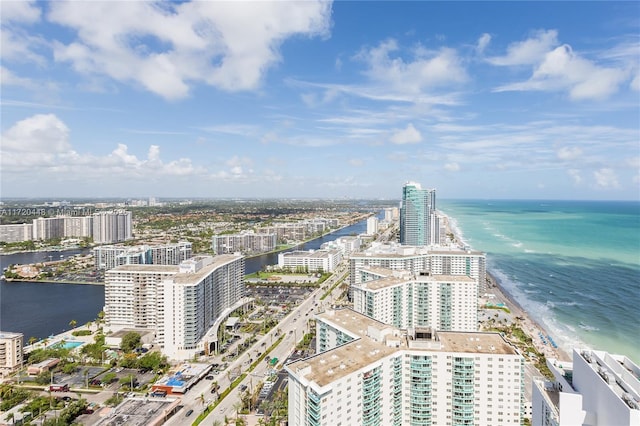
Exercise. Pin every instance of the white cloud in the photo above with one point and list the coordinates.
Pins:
(575, 175)
(635, 82)
(452, 167)
(406, 136)
(606, 178)
(41, 133)
(563, 70)
(42, 141)
(428, 69)
(8, 78)
(165, 47)
(483, 42)
(529, 51)
(356, 162)
(19, 11)
(569, 152)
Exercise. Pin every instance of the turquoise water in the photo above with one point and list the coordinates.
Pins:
(573, 265)
(69, 345)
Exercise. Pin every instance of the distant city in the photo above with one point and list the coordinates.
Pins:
(398, 324)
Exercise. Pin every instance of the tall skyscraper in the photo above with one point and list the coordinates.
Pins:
(418, 219)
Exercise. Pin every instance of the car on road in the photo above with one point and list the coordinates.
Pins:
(209, 377)
(190, 412)
(243, 388)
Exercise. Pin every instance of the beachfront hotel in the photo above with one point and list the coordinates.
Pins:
(596, 389)
(371, 373)
(406, 300)
(419, 225)
(11, 356)
(180, 303)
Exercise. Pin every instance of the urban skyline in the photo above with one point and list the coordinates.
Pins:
(478, 100)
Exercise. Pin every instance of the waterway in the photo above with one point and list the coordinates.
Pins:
(42, 309)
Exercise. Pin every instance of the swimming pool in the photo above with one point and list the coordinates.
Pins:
(67, 345)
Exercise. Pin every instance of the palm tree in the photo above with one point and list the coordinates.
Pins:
(32, 340)
(73, 323)
(237, 406)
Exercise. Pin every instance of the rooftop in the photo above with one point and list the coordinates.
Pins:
(218, 261)
(140, 411)
(476, 342)
(376, 340)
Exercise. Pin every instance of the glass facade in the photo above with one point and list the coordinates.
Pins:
(420, 391)
(371, 389)
(445, 307)
(416, 213)
(463, 391)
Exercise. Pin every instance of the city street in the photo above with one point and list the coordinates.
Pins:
(293, 327)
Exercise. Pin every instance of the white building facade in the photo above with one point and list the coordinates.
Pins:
(112, 226)
(372, 225)
(310, 261)
(179, 302)
(596, 389)
(384, 377)
(11, 352)
(420, 260)
(405, 300)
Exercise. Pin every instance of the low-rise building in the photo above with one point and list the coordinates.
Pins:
(310, 261)
(11, 352)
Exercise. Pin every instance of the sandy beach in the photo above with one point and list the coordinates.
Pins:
(521, 318)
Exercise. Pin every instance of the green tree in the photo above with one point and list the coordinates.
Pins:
(73, 323)
(130, 341)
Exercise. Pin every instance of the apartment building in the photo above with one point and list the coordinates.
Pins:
(112, 226)
(420, 260)
(310, 261)
(245, 242)
(11, 356)
(110, 256)
(375, 374)
(16, 233)
(179, 302)
(419, 224)
(406, 300)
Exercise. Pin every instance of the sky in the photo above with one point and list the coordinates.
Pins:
(314, 99)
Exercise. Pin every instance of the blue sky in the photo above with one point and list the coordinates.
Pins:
(533, 100)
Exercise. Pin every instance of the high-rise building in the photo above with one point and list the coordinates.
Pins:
(11, 358)
(418, 218)
(372, 225)
(596, 389)
(78, 226)
(420, 260)
(406, 300)
(47, 228)
(246, 242)
(16, 233)
(112, 226)
(374, 374)
(110, 256)
(180, 303)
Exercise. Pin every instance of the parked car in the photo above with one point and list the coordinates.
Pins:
(190, 412)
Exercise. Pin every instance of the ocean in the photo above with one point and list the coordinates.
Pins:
(574, 266)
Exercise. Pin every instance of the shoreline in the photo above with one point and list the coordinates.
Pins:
(521, 317)
(13, 280)
(518, 315)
